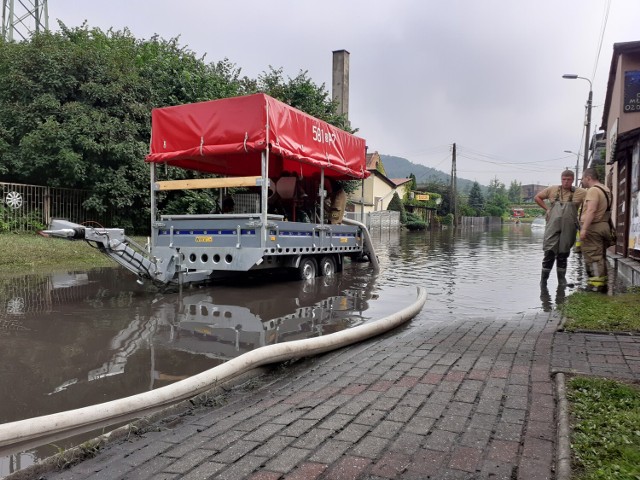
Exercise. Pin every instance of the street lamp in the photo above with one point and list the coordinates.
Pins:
(577, 164)
(587, 140)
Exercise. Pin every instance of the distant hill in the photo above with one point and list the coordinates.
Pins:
(398, 167)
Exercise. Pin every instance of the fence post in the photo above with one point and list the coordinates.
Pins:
(46, 206)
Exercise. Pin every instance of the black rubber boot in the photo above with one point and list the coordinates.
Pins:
(562, 279)
(545, 276)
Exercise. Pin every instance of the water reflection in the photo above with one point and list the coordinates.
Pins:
(92, 337)
(223, 323)
(547, 301)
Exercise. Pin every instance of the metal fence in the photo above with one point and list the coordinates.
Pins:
(480, 221)
(29, 208)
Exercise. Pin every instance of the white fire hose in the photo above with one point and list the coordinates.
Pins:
(47, 428)
(367, 241)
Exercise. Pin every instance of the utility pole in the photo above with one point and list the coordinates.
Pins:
(587, 123)
(454, 181)
(587, 126)
(23, 18)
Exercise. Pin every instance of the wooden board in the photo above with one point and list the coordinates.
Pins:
(198, 183)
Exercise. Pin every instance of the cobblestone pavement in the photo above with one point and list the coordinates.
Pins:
(602, 355)
(441, 400)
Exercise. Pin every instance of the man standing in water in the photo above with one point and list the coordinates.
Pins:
(562, 225)
(595, 230)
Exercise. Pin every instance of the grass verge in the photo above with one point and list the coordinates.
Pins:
(606, 429)
(595, 311)
(24, 253)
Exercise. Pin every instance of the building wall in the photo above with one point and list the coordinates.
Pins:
(377, 194)
(530, 191)
(382, 194)
(628, 120)
(625, 186)
(618, 121)
(403, 190)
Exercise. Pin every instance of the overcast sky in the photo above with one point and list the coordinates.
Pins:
(485, 74)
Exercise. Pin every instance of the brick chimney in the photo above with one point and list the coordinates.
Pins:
(340, 80)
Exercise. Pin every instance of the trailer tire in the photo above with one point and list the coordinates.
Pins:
(327, 266)
(308, 268)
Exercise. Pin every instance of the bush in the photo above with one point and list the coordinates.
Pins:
(412, 217)
(447, 219)
(416, 225)
(11, 223)
(396, 205)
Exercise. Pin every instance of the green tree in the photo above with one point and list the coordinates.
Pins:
(497, 203)
(75, 112)
(302, 93)
(476, 200)
(413, 185)
(515, 192)
(396, 205)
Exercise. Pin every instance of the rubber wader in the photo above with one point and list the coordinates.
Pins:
(559, 237)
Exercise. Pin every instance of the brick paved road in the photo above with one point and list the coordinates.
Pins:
(601, 355)
(448, 400)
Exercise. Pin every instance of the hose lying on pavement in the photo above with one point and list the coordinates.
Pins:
(48, 428)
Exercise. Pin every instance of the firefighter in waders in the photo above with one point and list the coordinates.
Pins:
(562, 225)
(595, 231)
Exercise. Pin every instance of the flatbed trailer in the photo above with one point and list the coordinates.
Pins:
(247, 142)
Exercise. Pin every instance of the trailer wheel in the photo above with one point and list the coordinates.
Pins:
(327, 266)
(307, 269)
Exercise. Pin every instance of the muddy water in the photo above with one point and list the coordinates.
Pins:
(79, 338)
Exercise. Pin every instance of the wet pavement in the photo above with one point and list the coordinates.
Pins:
(463, 391)
(469, 399)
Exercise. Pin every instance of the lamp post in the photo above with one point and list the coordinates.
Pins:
(587, 140)
(577, 164)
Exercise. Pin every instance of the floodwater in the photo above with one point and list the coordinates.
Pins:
(79, 338)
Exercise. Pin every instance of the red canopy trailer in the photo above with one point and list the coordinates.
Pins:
(254, 135)
(229, 136)
(249, 141)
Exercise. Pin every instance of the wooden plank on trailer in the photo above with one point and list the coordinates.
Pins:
(198, 183)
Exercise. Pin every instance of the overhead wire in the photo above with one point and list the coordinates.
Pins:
(492, 159)
(603, 28)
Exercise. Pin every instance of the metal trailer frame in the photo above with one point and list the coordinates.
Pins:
(193, 248)
(198, 245)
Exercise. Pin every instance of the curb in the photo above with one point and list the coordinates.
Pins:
(563, 458)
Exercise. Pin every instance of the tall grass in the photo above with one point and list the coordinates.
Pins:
(27, 253)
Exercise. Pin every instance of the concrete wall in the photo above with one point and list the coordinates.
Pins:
(382, 220)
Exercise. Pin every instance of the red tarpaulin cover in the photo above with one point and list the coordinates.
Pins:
(227, 137)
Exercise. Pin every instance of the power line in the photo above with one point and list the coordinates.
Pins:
(603, 28)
